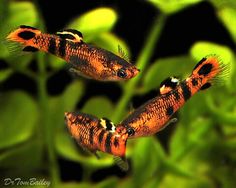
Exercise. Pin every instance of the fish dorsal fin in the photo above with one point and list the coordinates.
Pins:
(71, 34)
(122, 54)
(169, 84)
(107, 124)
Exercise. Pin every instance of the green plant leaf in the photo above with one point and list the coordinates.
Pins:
(66, 147)
(66, 102)
(145, 158)
(4, 74)
(18, 117)
(227, 16)
(170, 7)
(98, 106)
(18, 157)
(94, 22)
(56, 63)
(163, 68)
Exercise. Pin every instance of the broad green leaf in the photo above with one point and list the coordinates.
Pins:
(163, 68)
(178, 141)
(4, 74)
(4, 8)
(193, 109)
(56, 62)
(66, 147)
(173, 6)
(146, 159)
(204, 48)
(25, 156)
(66, 102)
(18, 13)
(111, 42)
(219, 114)
(98, 106)
(171, 181)
(227, 15)
(18, 117)
(94, 22)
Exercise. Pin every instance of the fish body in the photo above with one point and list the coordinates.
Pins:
(86, 60)
(156, 113)
(96, 134)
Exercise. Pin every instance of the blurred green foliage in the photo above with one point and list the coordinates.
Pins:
(201, 150)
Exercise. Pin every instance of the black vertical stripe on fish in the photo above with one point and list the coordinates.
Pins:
(101, 135)
(176, 94)
(62, 48)
(185, 91)
(108, 143)
(116, 142)
(91, 135)
(108, 124)
(52, 46)
(200, 62)
(169, 111)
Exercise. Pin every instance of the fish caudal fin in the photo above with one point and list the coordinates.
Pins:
(24, 36)
(211, 70)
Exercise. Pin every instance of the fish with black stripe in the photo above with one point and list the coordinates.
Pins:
(85, 59)
(157, 113)
(95, 134)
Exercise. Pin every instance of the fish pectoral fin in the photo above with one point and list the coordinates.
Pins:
(173, 120)
(121, 162)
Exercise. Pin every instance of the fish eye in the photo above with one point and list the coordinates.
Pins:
(121, 73)
(130, 131)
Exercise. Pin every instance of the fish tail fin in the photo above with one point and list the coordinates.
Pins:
(23, 37)
(210, 70)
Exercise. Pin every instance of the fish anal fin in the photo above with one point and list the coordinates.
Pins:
(75, 73)
(121, 162)
(173, 120)
(29, 49)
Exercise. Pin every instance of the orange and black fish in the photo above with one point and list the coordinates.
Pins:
(86, 60)
(156, 113)
(96, 134)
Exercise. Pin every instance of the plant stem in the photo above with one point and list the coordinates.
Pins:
(45, 120)
(142, 62)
